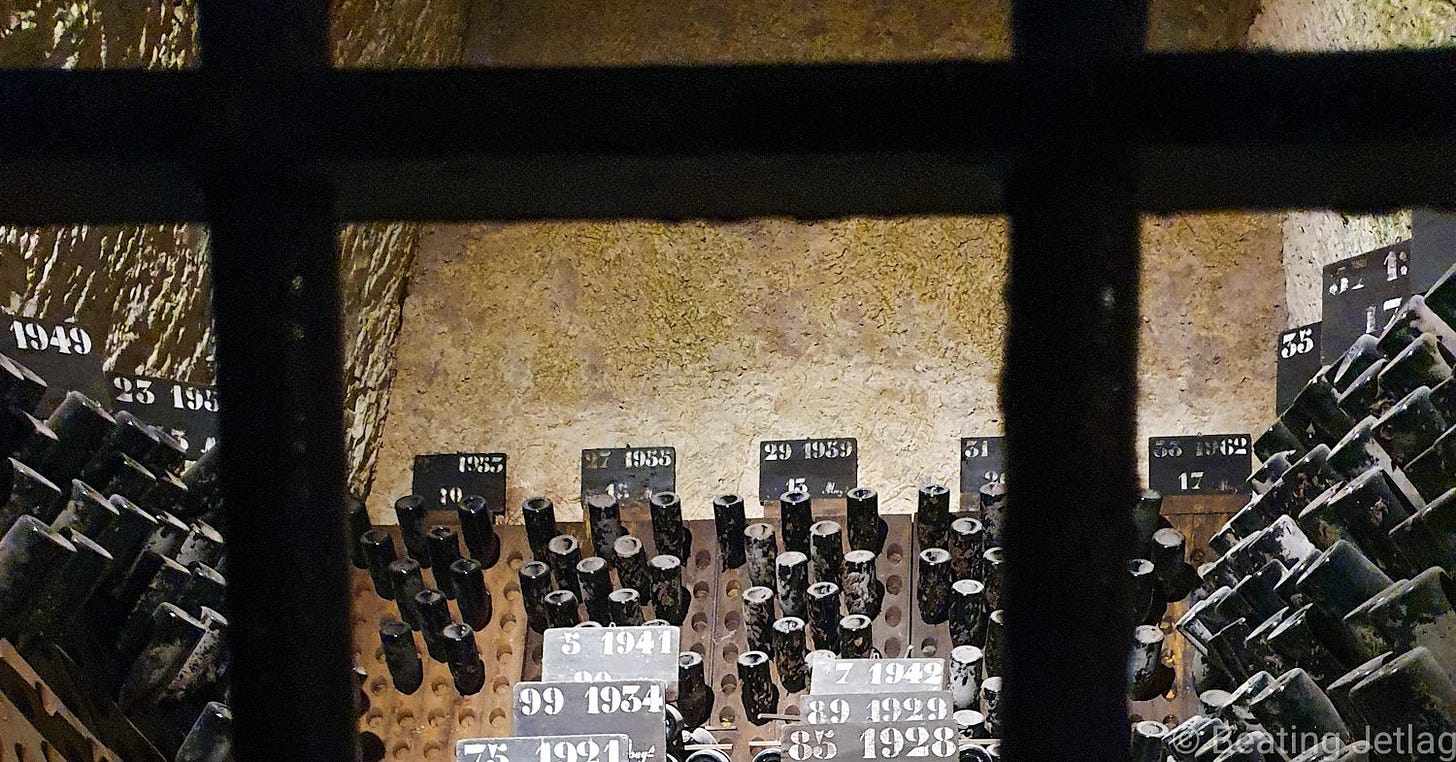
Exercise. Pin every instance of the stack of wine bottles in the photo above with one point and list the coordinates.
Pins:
(1327, 623)
(111, 570)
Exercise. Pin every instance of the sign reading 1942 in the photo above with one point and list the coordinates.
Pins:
(819, 467)
(632, 475)
(444, 480)
(66, 355)
(186, 411)
(983, 461)
(1209, 464)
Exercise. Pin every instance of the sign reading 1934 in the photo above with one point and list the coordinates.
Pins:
(983, 461)
(819, 467)
(632, 475)
(445, 479)
(1209, 464)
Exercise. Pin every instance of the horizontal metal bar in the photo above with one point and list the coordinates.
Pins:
(1358, 131)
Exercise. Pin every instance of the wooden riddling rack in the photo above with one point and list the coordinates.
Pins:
(426, 725)
(34, 724)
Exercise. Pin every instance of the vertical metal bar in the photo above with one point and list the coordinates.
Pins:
(276, 308)
(1069, 388)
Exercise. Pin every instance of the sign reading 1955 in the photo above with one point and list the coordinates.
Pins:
(1206, 464)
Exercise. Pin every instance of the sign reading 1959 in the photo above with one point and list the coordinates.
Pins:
(1209, 464)
(445, 479)
(632, 475)
(66, 355)
(186, 411)
(819, 467)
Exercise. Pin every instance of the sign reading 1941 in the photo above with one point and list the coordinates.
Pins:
(983, 461)
(819, 467)
(1209, 464)
(632, 475)
(444, 480)
(186, 411)
(66, 355)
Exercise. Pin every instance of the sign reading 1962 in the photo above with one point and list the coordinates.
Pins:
(1209, 464)
(819, 467)
(629, 474)
(445, 479)
(186, 411)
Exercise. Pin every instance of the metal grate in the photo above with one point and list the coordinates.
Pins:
(1073, 137)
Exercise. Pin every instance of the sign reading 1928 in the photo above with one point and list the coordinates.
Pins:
(629, 474)
(66, 355)
(186, 411)
(1209, 464)
(983, 461)
(819, 467)
(445, 479)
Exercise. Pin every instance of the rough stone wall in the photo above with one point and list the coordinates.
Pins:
(542, 338)
(149, 284)
(1313, 239)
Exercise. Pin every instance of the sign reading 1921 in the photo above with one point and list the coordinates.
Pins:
(1299, 360)
(1210, 464)
(632, 475)
(66, 355)
(444, 480)
(186, 411)
(819, 467)
(983, 461)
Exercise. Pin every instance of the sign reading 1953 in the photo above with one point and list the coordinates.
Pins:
(186, 411)
(819, 467)
(66, 355)
(445, 479)
(1209, 464)
(632, 475)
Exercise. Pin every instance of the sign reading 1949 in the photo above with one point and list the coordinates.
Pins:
(66, 355)
(1208, 464)
(819, 467)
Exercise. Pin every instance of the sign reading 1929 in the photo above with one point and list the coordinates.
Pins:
(445, 479)
(1209, 464)
(629, 474)
(819, 467)
(186, 411)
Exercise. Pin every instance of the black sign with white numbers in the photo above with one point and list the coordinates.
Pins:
(1361, 294)
(67, 355)
(186, 411)
(819, 467)
(1211, 464)
(1299, 360)
(1433, 247)
(983, 461)
(630, 474)
(445, 479)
